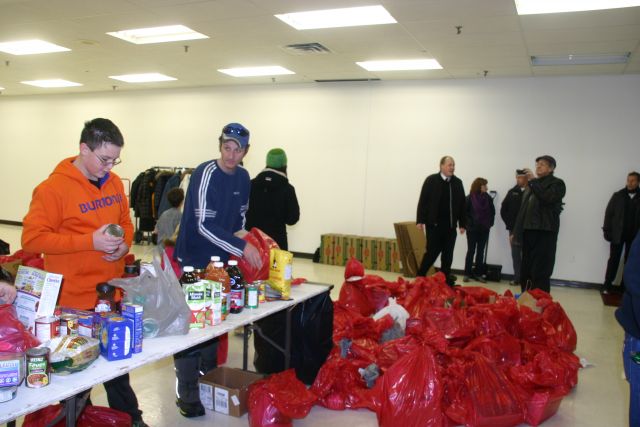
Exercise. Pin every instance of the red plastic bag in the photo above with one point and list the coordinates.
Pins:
(427, 292)
(503, 349)
(412, 392)
(91, 416)
(275, 400)
(263, 243)
(14, 338)
(492, 399)
(542, 406)
(565, 337)
(340, 386)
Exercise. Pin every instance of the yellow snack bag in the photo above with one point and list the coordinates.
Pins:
(280, 271)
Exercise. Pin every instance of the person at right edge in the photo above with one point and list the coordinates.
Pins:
(628, 315)
(212, 223)
(273, 203)
(538, 223)
(620, 227)
(441, 208)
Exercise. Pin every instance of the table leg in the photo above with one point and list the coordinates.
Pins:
(245, 347)
(287, 341)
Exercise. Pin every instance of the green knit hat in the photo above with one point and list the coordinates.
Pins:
(276, 158)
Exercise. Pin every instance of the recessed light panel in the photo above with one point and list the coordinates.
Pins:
(170, 33)
(143, 78)
(401, 65)
(51, 83)
(271, 70)
(533, 7)
(30, 47)
(332, 18)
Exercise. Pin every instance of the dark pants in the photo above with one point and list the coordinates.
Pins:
(440, 240)
(632, 372)
(190, 364)
(516, 257)
(121, 396)
(538, 259)
(615, 251)
(476, 244)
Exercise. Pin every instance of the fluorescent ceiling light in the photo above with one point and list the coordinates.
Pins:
(170, 33)
(579, 59)
(1, 88)
(30, 47)
(332, 18)
(533, 7)
(271, 70)
(401, 65)
(51, 83)
(143, 78)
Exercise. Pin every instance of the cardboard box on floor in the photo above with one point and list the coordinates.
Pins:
(225, 390)
(412, 244)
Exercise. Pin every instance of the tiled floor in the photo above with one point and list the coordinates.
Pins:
(599, 400)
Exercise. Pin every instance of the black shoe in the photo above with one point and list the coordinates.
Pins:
(190, 409)
(139, 423)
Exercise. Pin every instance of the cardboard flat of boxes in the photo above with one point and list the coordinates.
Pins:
(375, 253)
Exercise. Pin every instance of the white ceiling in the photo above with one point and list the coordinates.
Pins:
(245, 33)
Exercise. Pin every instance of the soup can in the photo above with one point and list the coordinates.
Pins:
(47, 327)
(68, 324)
(38, 367)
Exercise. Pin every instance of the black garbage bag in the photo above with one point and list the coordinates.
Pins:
(311, 338)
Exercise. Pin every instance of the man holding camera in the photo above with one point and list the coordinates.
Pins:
(538, 223)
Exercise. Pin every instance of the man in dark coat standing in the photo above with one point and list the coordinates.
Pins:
(273, 203)
(621, 226)
(538, 223)
(441, 208)
(509, 212)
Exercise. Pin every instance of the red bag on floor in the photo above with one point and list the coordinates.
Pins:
(275, 400)
(91, 416)
(340, 386)
(541, 406)
(489, 397)
(412, 392)
(263, 243)
(565, 337)
(14, 338)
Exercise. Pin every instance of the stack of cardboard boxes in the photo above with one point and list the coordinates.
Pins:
(375, 253)
(412, 244)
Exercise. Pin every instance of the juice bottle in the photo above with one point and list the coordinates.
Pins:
(216, 273)
(188, 276)
(237, 284)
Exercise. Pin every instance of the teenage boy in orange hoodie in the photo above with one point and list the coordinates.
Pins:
(66, 221)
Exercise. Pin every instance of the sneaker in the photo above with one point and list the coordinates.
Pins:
(190, 409)
(139, 423)
(481, 279)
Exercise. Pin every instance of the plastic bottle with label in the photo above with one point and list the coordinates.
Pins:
(188, 275)
(106, 300)
(237, 285)
(216, 272)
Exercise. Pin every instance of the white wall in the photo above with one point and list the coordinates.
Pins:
(359, 152)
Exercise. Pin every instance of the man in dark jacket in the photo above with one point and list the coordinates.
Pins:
(273, 203)
(620, 226)
(628, 315)
(441, 208)
(538, 223)
(509, 211)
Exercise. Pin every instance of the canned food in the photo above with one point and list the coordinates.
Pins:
(38, 367)
(47, 328)
(262, 291)
(68, 324)
(114, 230)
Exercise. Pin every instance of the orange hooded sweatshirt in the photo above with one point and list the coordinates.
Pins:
(65, 210)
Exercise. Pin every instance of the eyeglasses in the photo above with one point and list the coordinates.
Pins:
(235, 130)
(107, 162)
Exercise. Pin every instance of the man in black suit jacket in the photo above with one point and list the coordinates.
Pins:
(441, 208)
